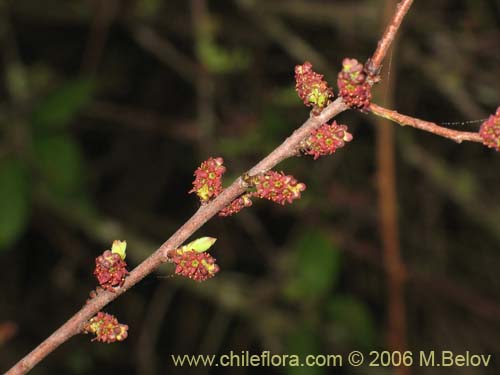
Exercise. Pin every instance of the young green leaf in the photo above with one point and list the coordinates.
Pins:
(200, 245)
(119, 247)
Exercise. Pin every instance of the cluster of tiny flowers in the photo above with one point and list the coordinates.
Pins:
(311, 87)
(490, 131)
(353, 86)
(277, 187)
(198, 266)
(208, 179)
(106, 328)
(326, 140)
(110, 270)
(237, 205)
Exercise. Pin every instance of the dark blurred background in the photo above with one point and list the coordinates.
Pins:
(108, 106)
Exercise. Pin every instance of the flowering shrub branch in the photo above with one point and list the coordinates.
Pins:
(167, 251)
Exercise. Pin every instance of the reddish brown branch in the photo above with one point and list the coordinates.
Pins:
(455, 135)
(74, 325)
(374, 63)
(389, 228)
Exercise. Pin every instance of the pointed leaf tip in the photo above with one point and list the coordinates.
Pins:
(200, 245)
(119, 247)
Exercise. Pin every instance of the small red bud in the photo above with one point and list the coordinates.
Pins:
(490, 131)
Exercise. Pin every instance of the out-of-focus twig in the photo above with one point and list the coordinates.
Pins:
(166, 52)
(339, 13)
(216, 329)
(295, 45)
(142, 119)
(388, 219)
(160, 302)
(205, 84)
(435, 286)
(451, 78)
(103, 18)
(449, 181)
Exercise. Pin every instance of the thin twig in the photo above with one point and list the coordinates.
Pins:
(166, 52)
(375, 62)
(205, 83)
(151, 329)
(446, 177)
(104, 15)
(455, 135)
(296, 46)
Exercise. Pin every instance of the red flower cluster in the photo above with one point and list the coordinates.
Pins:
(237, 205)
(198, 266)
(311, 87)
(106, 328)
(208, 179)
(490, 131)
(353, 86)
(274, 186)
(277, 187)
(110, 270)
(326, 140)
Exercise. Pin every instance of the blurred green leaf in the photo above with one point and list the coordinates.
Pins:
(317, 266)
(16, 81)
(60, 163)
(14, 201)
(303, 341)
(220, 60)
(353, 322)
(286, 96)
(57, 109)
